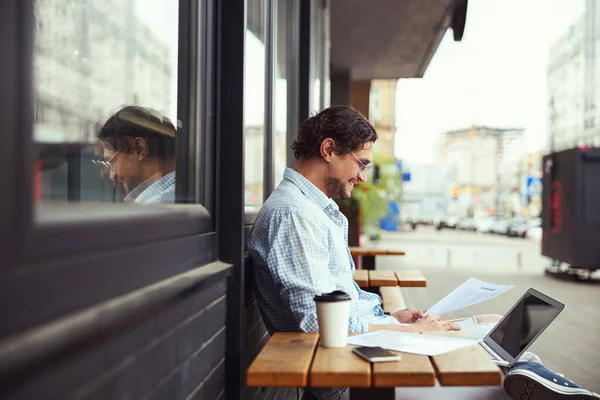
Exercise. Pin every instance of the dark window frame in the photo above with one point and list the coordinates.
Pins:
(269, 138)
(293, 75)
(77, 255)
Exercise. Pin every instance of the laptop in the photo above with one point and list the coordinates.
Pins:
(520, 327)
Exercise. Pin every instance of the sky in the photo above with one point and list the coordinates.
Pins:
(495, 76)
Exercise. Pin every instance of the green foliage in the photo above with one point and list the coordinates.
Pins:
(373, 197)
(371, 201)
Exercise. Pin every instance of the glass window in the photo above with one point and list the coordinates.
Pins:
(280, 87)
(105, 101)
(254, 102)
(326, 92)
(320, 87)
(316, 50)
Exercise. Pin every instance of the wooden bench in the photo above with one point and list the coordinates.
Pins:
(296, 360)
(392, 299)
(381, 278)
(368, 255)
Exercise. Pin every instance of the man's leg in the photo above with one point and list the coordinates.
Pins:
(530, 379)
(534, 381)
(488, 318)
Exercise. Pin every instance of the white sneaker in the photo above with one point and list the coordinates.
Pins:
(530, 357)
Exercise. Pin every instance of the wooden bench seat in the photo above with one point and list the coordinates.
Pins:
(392, 299)
(296, 360)
(380, 278)
(285, 360)
(411, 279)
(367, 255)
(361, 277)
(374, 251)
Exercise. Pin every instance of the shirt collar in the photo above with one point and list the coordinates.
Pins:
(137, 191)
(311, 192)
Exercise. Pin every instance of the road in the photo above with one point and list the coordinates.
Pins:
(571, 345)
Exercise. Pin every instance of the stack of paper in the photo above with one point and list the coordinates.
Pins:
(473, 329)
(411, 342)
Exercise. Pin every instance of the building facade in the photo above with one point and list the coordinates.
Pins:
(481, 162)
(94, 57)
(573, 71)
(382, 115)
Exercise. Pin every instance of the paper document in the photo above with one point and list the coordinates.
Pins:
(475, 330)
(472, 291)
(411, 342)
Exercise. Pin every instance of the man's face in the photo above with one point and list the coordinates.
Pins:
(122, 167)
(348, 169)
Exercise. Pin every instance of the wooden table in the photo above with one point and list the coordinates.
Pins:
(296, 360)
(368, 254)
(377, 278)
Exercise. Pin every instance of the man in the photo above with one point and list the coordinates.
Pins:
(138, 147)
(299, 241)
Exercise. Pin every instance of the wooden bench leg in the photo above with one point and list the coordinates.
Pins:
(372, 394)
(368, 262)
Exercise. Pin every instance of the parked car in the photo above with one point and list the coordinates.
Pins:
(535, 234)
(521, 230)
(447, 222)
(467, 224)
(484, 225)
(515, 225)
(499, 227)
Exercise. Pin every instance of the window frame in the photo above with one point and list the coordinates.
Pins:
(270, 60)
(83, 254)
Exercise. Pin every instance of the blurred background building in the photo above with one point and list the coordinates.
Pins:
(82, 79)
(482, 167)
(573, 92)
(382, 115)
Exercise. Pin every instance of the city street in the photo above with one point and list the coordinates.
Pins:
(571, 345)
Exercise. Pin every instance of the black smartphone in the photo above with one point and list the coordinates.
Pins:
(375, 354)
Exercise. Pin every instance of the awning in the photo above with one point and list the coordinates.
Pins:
(389, 39)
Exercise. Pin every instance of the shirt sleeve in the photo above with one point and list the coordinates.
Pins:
(363, 294)
(299, 249)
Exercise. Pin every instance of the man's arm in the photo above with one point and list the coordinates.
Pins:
(390, 327)
(298, 255)
(429, 323)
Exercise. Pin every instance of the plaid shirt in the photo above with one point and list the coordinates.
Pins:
(299, 245)
(154, 190)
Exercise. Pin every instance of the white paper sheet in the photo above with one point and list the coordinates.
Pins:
(473, 329)
(472, 291)
(411, 342)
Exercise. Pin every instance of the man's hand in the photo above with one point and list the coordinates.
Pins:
(432, 323)
(408, 315)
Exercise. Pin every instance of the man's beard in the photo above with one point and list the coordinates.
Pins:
(120, 189)
(336, 188)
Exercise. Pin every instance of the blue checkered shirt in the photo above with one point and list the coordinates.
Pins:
(299, 245)
(154, 190)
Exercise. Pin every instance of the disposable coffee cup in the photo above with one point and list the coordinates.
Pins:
(333, 312)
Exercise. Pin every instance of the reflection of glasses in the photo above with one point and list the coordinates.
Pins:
(364, 167)
(108, 163)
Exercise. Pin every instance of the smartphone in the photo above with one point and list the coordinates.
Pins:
(375, 354)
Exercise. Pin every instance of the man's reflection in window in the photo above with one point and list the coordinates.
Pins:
(138, 146)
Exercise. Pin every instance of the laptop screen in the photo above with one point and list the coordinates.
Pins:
(528, 318)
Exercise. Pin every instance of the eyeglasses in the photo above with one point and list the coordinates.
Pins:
(108, 163)
(364, 168)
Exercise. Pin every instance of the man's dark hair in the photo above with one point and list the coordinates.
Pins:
(150, 125)
(346, 126)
